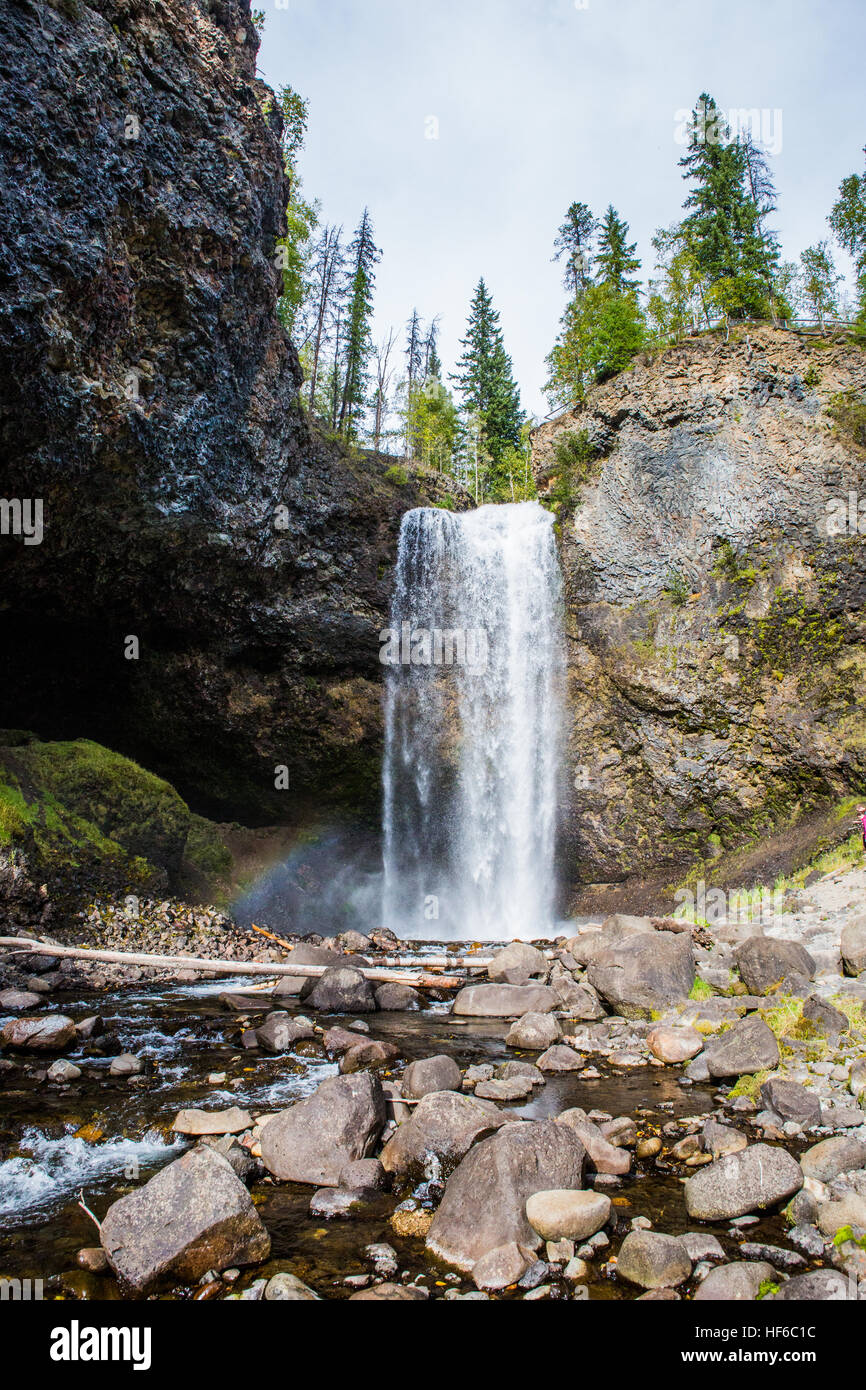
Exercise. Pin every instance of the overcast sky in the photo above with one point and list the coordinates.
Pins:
(539, 103)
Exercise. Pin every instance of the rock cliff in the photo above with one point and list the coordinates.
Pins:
(148, 399)
(715, 573)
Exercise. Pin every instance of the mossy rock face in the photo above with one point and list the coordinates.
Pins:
(86, 815)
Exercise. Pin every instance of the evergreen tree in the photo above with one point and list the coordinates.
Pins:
(574, 242)
(485, 380)
(295, 249)
(723, 227)
(615, 257)
(364, 256)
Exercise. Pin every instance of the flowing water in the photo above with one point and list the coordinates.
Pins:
(473, 725)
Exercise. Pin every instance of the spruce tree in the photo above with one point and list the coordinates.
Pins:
(485, 380)
(364, 256)
(615, 257)
(574, 242)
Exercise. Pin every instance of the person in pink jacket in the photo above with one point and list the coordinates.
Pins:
(861, 816)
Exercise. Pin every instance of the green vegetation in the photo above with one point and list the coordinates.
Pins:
(749, 1086)
(677, 588)
(83, 814)
(701, 990)
(397, 475)
(767, 1288)
(491, 401)
(848, 409)
(574, 453)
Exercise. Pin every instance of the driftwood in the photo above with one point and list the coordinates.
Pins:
(380, 974)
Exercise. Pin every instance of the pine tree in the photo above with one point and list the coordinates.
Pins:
(485, 380)
(364, 256)
(574, 242)
(295, 250)
(848, 220)
(615, 257)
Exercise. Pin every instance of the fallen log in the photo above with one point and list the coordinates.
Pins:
(381, 975)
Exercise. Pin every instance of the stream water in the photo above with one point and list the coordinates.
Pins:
(103, 1135)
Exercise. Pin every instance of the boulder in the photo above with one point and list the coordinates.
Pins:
(62, 1072)
(752, 1180)
(826, 1021)
(853, 946)
(444, 1126)
(315, 1138)
(431, 1074)
(840, 1154)
(504, 1001)
(847, 1210)
(302, 954)
(644, 973)
(390, 1293)
(791, 1101)
(484, 1205)
(341, 990)
(331, 1203)
(748, 1047)
(288, 1288)
(534, 1031)
(561, 1058)
(507, 1089)
(501, 1267)
(280, 1031)
(198, 1122)
(193, 1216)
(739, 1282)
(700, 1246)
(674, 1045)
(579, 1001)
(49, 1033)
(718, 1139)
(367, 1052)
(764, 961)
(11, 1000)
(653, 1261)
(602, 1156)
(338, 1040)
(126, 1065)
(567, 1215)
(819, 1286)
(506, 1071)
(391, 998)
(518, 964)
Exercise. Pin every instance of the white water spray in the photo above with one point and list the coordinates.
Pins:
(473, 744)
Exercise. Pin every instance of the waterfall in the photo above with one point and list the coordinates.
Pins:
(475, 664)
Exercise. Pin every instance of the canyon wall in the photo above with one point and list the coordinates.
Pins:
(715, 572)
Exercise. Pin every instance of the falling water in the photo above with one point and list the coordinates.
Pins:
(472, 745)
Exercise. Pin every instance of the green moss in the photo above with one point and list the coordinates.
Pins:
(767, 1288)
(205, 848)
(848, 409)
(749, 1086)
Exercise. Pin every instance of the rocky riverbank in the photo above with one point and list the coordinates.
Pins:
(644, 1109)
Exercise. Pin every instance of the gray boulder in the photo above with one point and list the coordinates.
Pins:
(751, 1180)
(854, 946)
(840, 1154)
(602, 1156)
(48, 1033)
(534, 1031)
(501, 1267)
(819, 1286)
(314, 1139)
(430, 1074)
(644, 973)
(392, 998)
(444, 1126)
(280, 1031)
(561, 1058)
(763, 962)
(193, 1216)
(739, 1282)
(791, 1101)
(826, 1021)
(748, 1047)
(653, 1261)
(504, 1001)
(341, 990)
(11, 1000)
(518, 964)
(484, 1205)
